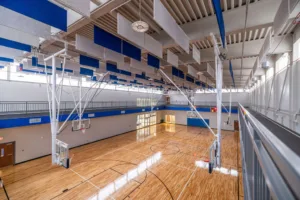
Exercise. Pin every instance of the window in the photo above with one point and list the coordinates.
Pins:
(282, 62)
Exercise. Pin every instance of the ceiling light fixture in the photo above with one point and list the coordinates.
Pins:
(140, 26)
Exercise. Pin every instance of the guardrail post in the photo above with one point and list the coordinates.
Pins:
(26, 103)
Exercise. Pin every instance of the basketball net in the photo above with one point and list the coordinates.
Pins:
(83, 130)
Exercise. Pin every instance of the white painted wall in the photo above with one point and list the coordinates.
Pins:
(279, 97)
(35, 141)
(26, 91)
(181, 118)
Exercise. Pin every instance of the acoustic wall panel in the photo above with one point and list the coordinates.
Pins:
(18, 36)
(10, 53)
(141, 66)
(85, 71)
(281, 17)
(124, 66)
(210, 71)
(168, 23)
(23, 23)
(86, 45)
(80, 6)
(153, 46)
(110, 55)
(107, 40)
(125, 30)
(72, 65)
(172, 58)
(192, 71)
(131, 51)
(141, 39)
(40, 10)
(88, 61)
(112, 68)
(153, 61)
(15, 45)
(196, 54)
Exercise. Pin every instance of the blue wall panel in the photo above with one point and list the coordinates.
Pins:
(153, 61)
(131, 51)
(197, 122)
(87, 72)
(127, 73)
(40, 10)
(107, 40)
(88, 61)
(6, 59)
(15, 45)
(112, 68)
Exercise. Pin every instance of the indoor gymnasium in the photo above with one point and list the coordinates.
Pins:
(149, 99)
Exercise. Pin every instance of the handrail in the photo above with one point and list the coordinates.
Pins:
(25, 107)
(270, 166)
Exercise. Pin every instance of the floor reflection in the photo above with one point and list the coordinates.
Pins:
(126, 178)
(170, 128)
(204, 165)
(145, 133)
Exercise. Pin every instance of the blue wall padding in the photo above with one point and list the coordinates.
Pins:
(15, 45)
(231, 73)
(131, 51)
(113, 77)
(153, 61)
(85, 71)
(197, 122)
(122, 80)
(112, 68)
(127, 73)
(6, 59)
(34, 61)
(88, 61)
(219, 15)
(189, 79)
(40, 10)
(107, 40)
(180, 74)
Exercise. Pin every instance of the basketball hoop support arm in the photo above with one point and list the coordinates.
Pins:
(194, 108)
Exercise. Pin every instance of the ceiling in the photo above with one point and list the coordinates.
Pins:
(197, 19)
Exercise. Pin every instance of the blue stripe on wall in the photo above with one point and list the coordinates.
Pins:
(87, 72)
(127, 73)
(17, 122)
(40, 10)
(107, 40)
(15, 45)
(88, 61)
(131, 51)
(219, 15)
(6, 59)
(153, 61)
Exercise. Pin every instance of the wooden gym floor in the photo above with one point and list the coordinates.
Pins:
(157, 162)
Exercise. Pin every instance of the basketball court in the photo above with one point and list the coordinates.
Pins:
(170, 165)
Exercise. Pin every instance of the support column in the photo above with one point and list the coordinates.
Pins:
(53, 108)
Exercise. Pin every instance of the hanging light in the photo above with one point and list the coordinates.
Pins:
(140, 26)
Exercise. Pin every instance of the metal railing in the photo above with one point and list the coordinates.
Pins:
(270, 168)
(203, 103)
(26, 107)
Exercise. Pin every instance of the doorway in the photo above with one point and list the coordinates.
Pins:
(236, 125)
(170, 119)
(7, 154)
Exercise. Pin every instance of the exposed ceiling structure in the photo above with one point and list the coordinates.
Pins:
(197, 19)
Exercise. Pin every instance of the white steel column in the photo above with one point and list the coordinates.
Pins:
(54, 117)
